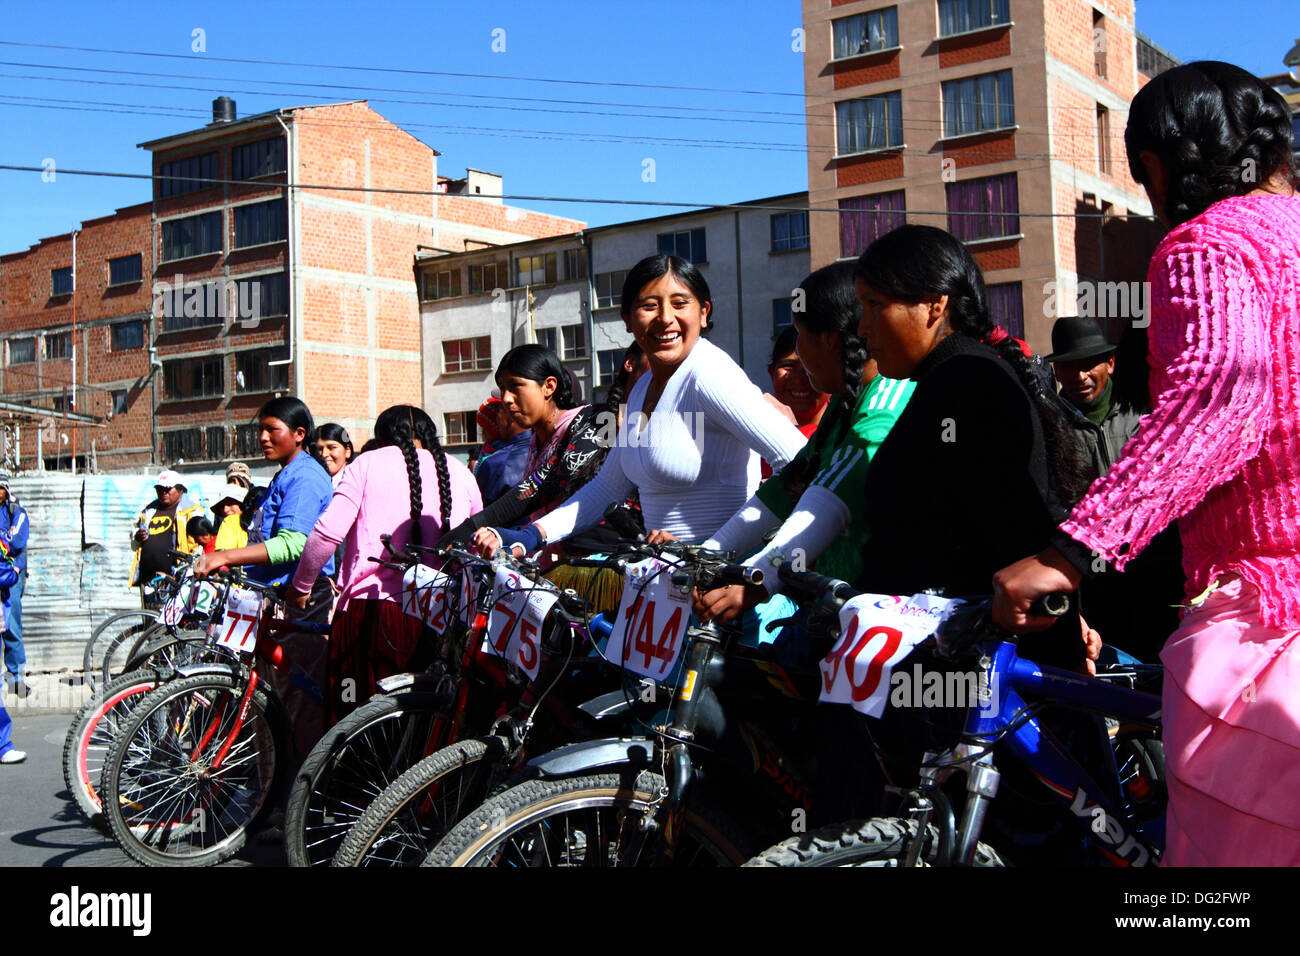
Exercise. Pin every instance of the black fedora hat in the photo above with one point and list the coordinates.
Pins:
(1075, 337)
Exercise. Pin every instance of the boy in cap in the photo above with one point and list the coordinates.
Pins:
(161, 529)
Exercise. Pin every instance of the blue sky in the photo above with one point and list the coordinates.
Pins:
(743, 145)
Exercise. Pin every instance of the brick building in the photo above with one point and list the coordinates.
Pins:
(274, 258)
(982, 117)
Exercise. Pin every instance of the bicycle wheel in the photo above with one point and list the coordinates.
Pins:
(882, 841)
(590, 820)
(407, 820)
(164, 803)
(352, 764)
(93, 728)
(108, 638)
(163, 647)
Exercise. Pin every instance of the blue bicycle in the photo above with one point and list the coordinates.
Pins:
(1121, 814)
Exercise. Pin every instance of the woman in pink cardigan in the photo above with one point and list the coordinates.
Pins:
(1219, 453)
(402, 483)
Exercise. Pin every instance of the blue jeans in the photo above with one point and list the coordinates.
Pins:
(15, 656)
(6, 744)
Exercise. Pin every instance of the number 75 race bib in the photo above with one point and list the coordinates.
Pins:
(653, 616)
(876, 632)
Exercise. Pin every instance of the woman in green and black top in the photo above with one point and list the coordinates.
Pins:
(815, 503)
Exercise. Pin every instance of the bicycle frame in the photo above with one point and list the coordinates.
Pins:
(1117, 835)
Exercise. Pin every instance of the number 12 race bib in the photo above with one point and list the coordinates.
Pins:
(425, 592)
(876, 632)
(652, 620)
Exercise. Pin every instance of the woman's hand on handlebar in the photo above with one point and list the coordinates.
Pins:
(1091, 644)
(485, 541)
(660, 537)
(1018, 585)
(295, 598)
(728, 603)
(208, 563)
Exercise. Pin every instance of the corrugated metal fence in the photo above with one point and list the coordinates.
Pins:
(79, 555)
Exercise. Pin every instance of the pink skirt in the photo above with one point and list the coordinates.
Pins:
(1232, 735)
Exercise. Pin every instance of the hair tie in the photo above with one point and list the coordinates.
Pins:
(997, 335)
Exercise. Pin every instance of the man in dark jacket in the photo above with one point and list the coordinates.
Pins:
(1084, 362)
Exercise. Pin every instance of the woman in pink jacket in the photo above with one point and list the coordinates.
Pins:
(1219, 453)
(404, 484)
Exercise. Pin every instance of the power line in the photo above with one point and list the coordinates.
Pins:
(261, 184)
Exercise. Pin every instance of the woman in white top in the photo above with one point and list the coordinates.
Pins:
(696, 426)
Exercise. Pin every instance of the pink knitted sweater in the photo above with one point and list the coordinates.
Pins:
(1220, 451)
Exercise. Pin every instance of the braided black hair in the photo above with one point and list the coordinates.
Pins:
(538, 363)
(618, 388)
(403, 426)
(915, 264)
(1219, 130)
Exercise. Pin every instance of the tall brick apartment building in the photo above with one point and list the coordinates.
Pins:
(269, 261)
(982, 116)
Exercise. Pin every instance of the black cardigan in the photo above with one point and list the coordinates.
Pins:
(959, 488)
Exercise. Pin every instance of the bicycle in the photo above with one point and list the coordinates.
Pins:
(203, 758)
(1121, 814)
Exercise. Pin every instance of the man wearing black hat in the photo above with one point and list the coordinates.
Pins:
(1083, 362)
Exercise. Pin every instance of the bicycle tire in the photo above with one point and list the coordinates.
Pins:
(881, 841)
(399, 829)
(351, 765)
(107, 638)
(169, 648)
(199, 819)
(92, 729)
(709, 837)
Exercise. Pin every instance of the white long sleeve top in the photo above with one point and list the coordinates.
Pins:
(695, 460)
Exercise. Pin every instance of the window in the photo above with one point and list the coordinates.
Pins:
(875, 122)
(789, 231)
(61, 404)
(61, 281)
(575, 264)
(124, 270)
(535, 270)
(439, 285)
(866, 218)
(262, 158)
(22, 351)
(876, 30)
(961, 16)
(1007, 307)
(183, 444)
(689, 245)
(119, 401)
(609, 288)
(126, 335)
(181, 176)
(263, 296)
(260, 223)
(246, 440)
(781, 316)
(193, 306)
(1151, 60)
(978, 103)
(191, 236)
(58, 345)
(467, 355)
(461, 428)
(255, 373)
(1099, 43)
(984, 208)
(194, 378)
(609, 362)
(487, 276)
(1103, 140)
(567, 341)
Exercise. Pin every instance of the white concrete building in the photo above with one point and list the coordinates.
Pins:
(565, 292)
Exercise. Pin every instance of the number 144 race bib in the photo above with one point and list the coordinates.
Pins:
(652, 620)
(876, 632)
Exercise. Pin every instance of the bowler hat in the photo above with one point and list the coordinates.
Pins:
(1075, 337)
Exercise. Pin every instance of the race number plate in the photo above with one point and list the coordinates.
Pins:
(515, 627)
(239, 626)
(174, 609)
(425, 593)
(876, 632)
(652, 620)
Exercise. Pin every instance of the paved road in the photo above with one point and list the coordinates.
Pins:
(39, 826)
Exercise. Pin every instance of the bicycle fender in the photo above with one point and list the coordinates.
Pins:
(425, 682)
(215, 670)
(613, 704)
(594, 754)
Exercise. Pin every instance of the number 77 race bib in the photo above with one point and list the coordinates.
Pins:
(653, 616)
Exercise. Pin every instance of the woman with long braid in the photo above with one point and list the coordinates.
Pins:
(371, 638)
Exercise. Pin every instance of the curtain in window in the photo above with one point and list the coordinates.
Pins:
(979, 102)
(995, 197)
(873, 123)
(958, 16)
(1007, 307)
(866, 218)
